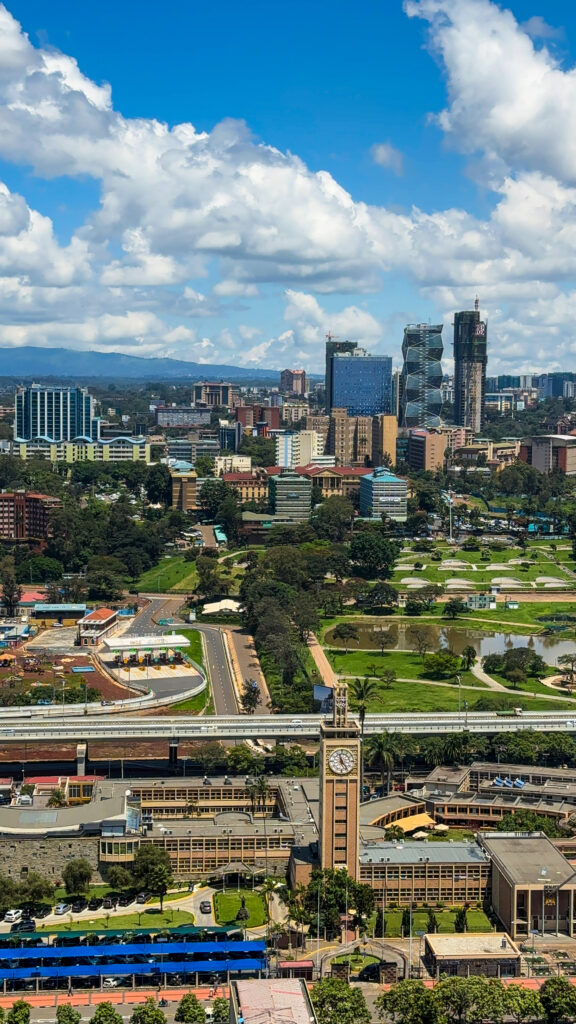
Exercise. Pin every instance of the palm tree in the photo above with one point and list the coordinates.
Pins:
(432, 750)
(252, 794)
(468, 656)
(363, 692)
(381, 751)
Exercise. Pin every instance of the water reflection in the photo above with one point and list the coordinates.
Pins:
(406, 636)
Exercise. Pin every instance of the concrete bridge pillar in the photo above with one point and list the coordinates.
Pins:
(81, 758)
(173, 756)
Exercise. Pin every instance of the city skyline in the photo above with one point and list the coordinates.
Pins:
(388, 194)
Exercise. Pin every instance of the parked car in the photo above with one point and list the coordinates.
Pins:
(79, 905)
(110, 902)
(142, 897)
(62, 908)
(13, 915)
(24, 926)
(95, 903)
(110, 983)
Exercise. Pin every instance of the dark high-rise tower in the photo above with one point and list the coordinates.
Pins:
(470, 358)
(332, 347)
(421, 378)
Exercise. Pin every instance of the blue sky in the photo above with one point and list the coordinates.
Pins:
(343, 205)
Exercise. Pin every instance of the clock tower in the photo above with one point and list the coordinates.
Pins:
(340, 754)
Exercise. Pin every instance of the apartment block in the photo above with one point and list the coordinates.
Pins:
(426, 450)
(24, 515)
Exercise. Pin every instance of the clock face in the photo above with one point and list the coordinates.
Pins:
(341, 761)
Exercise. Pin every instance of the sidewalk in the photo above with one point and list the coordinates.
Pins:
(327, 673)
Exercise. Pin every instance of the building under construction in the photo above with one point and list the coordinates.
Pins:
(470, 358)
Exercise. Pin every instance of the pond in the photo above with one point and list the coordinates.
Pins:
(399, 636)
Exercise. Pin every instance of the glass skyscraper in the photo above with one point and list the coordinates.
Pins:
(57, 413)
(332, 348)
(421, 380)
(470, 358)
(362, 384)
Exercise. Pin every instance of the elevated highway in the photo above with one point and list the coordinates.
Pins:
(85, 728)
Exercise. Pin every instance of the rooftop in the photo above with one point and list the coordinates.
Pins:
(473, 944)
(433, 853)
(528, 858)
(99, 615)
(278, 1001)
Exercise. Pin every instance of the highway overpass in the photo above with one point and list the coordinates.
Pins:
(88, 728)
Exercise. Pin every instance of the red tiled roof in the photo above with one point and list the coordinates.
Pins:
(32, 597)
(99, 615)
(43, 780)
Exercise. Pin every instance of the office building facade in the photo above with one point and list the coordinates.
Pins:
(212, 394)
(362, 384)
(56, 413)
(470, 359)
(24, 516)
(291, 496)
(421, 379)
(383, 493)
(293, 381)
(426, 450)
(334, 348)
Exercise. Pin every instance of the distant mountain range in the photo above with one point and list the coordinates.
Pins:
(30, 361)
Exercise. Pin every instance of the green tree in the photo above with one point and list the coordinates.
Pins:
(335, 1002)
(363, 693)
(558, 999)
(119, 877)
(346, 631)
(158, 484)
(432, 922)
(19, 1013)
(380, 752)
(441, 665)
(36, 888)
(373, 553)
(152, 870)
(250, 697)
(460, 920)
(522, 1004)
(77, 875)
(189, 1010)
(332, 519)
(204, 466)
(11, 594)
(66, 1014)
(220, 1011)
(408, 1002)
(57, 798)
(454, 608)
(468, 656)
(147, 1012)
(469, 1000)
(106, 1014)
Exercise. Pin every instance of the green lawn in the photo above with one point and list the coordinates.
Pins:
(167, 575)
(405, 664)
(227, 904)
(171, 917)
(476, 922)
(195, 650)
(194, 705)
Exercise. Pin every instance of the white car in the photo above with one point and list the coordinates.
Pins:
(11, 916)
(110, 983)
(62, 908)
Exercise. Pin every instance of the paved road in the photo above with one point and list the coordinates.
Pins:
(218, 669)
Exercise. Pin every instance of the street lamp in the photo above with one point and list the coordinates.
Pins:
(459, 681)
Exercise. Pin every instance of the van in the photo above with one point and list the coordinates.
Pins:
(13, 915)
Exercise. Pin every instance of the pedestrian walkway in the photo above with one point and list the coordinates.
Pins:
(327, 673)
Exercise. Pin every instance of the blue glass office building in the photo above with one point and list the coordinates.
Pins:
(362, 384)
